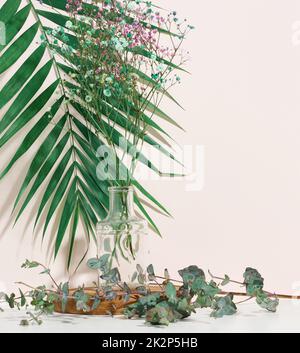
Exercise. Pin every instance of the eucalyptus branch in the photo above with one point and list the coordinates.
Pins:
(169, 279)
(146, 296)
(47, 271)
(245, 300)
(223, 278)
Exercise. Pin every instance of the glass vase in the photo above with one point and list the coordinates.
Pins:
(120, 234)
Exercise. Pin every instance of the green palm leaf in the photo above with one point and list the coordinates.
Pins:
(149, 196)
(67, 212)
(57, 4)
(117, 138)
(30, 139)
(14, 25)
(147, 54)
(12, 54)
(90, 167)
(114, 114)
(57, 18)
(66, 160)
(21, 76)
(92, 145)
(88, 209)
(58, 196)
(61, 5)
(100, 210)
(94, 187)
(92, 179)
(9, 8)
(41, 153)
(146, 214)
(54, 17)
(29, 113)
(73, 232)
(56, 177)
(145, 78)
(44, 171)
(25, 95)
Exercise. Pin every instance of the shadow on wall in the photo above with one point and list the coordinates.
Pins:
(83, 274)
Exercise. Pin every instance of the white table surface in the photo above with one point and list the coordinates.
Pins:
(250, 318)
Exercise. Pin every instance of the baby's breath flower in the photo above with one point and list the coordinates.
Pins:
(131, 6)
(153, 56)
(134, 76)
(88, 99)
(107, 92)
(69, 24)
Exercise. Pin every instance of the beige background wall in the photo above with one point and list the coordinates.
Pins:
(243, 105)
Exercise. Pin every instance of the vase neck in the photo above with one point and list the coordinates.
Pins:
(121, 202)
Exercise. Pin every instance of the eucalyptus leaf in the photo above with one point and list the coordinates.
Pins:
(96, 302)
(265, 302)
(142, 290)
(112, 276)
(23, 299)
(30, 264)
(225, 281)
(253, 280)
(98, 263)
(223, 306)
(150, 270)
(134, 276)
(170, 291)
(65, 294)
(24, 322)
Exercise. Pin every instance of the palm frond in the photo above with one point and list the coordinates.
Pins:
(8, 9)
(63, 170)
